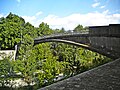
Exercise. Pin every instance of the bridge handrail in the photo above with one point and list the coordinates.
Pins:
(62, 34)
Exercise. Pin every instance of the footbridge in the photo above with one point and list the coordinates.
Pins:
(102, 39)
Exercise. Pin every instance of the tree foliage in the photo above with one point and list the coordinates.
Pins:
(80, 29)
(10, 31)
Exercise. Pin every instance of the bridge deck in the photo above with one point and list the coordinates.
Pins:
(105, 77)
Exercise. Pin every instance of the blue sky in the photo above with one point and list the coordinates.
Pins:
(64, 13)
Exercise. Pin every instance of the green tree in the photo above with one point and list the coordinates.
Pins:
(44, 29)
(30, 30)
(26, 63)
(79, 28)
(10, 31)
(47, 64)
(6, 70)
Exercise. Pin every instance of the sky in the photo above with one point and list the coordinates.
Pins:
(64, 13)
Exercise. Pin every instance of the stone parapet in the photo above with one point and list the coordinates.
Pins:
(105, 77)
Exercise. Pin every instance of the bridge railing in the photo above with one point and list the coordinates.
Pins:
(63, 34)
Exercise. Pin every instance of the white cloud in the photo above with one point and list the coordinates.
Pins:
(39, 13)
(95, 0)
(1, 15)
(29, 18)
(18, 1)
(89, 19)
(95, 4)
(34, 20)
(102, 6)
(106, 12)
(71, 21)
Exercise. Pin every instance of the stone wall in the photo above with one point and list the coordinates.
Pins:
(8, 53)
(106, 36)
(99, 30)
(111, 30)
(105, 77)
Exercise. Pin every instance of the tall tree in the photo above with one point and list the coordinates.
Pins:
(79, 28)
(44, 29)
(30, 30)
(10, 28)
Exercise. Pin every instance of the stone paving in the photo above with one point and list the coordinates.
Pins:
(105, 77)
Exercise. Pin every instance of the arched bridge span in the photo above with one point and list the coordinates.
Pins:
(102, 39)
